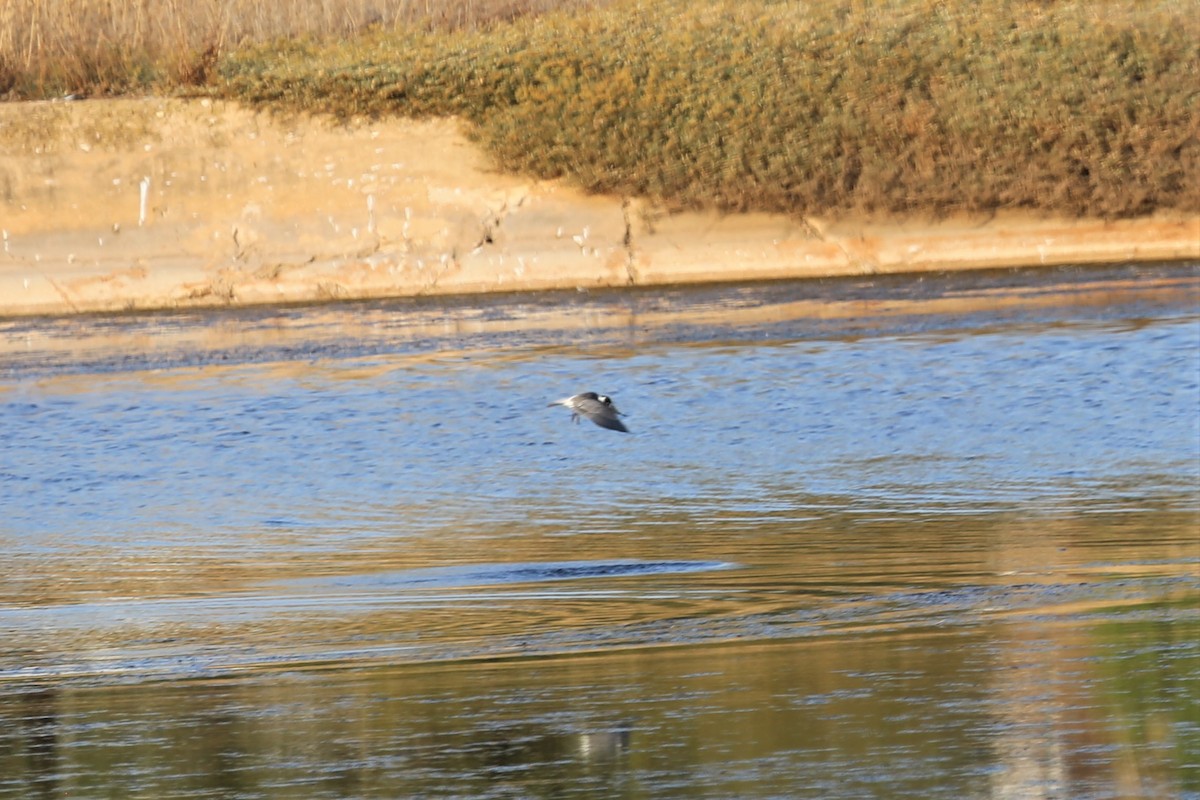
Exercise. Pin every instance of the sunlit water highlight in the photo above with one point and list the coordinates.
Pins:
(874, 538)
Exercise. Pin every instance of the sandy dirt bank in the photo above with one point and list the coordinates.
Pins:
(147, 204)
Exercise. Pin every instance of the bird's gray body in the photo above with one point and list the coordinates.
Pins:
(598, 408)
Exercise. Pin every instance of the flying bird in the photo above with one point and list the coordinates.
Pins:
(598, 408)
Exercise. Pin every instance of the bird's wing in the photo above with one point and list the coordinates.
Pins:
(609, 421)
(603, 415)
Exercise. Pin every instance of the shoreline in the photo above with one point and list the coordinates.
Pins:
(152, 204)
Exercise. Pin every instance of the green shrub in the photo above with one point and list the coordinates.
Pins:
(1072, 107)
(1068, 106)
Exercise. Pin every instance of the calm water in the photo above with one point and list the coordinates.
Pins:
(869, 538)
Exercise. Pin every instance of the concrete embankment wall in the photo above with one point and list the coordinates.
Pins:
(145, 204)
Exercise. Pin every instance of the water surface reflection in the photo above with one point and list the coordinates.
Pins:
(993, 710)
(874, 538)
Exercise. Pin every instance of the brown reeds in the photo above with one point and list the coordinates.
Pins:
(52, 47)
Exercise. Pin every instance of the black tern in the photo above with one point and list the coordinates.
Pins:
(598, 408)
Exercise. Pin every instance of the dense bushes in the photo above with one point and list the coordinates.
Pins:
(1076, 107)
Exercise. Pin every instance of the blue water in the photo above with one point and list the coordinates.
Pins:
(946, 551)
(1064, 413)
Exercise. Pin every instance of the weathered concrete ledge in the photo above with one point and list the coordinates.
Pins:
(146, 204)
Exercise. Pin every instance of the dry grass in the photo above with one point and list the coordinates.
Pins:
(52, 47)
